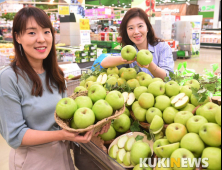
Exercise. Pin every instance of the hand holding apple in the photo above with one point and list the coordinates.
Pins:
(128, 62)
(104, 129)
(75, 137)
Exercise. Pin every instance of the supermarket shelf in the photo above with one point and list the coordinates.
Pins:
(210, 45)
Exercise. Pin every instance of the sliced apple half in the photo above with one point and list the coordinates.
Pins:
(157, 124)
(102, 78)
(180, 101)
(121, 155)
(113, 151)
(159, 143)
(125, 96)
(122, 141)
(129, 98)
(126, 159)
(167, 150)
(129, 144)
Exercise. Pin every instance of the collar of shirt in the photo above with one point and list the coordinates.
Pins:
(150, 47)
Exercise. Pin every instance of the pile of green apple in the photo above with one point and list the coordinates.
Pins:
(87, 110)
(128, 151)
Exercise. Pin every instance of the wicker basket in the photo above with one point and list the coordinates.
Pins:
(96, 127)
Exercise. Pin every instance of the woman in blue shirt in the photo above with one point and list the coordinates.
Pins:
(137, 30)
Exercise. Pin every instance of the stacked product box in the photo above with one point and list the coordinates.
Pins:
(81, 56)
(91, 49)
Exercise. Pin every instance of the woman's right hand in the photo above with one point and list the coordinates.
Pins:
(128, 62)
(75, 137)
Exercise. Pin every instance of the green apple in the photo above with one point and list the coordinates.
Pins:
(115, 99)
(187, 90)
(110, 135)
(122, 123)
(82, 83)
(84, 117)
(126, 112)
(112, 75)
(128, 52)
(139, 90)
(218, 117)
(169, 115)
(157, 88)
(66, 108)
(145, 80)
(172, 88)
(88, 84)
(122, 70)
(144, 57)
(199, 110)
(137, 167)
(214, 158)
(91, 78)
(113, 151)
(121, 155)
(193, 143)
(140, 113)
(167, 150)
(175, 132)
(122, 142)
(102, 110)
(146, 100)
(133, 83)
(160, 167)
(140, 150)
(189, 108)
(112, 70)
(121, 81)
(140, 74)
(210, 133)
(183, 117)
(126, 159)
(180, 101)
(193, 83)
(129, 73)
(129, 144)
(156, 79)
(209, 111)
(96, 93)
(195, 102)
(162, 102)
(159, 143)
(73, 125)
(102, 78)
(159, 136)
(195, 123)
(84, 101)
(151, 113)
(79, 89)
(135, 105)
(180, 154)
(112, 81)
(157, 124)
(129, 98)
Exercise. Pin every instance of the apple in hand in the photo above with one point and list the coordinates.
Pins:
(96, 93)
(84, 101)
(115, 99)
(139, 90)
(122, 123)
(172, 88)
(110, 135)
(102, 110)
(193, 143)
(128, 53)
(169, 115)
(151, 113)
(162, 102)
(66, 108)
(140, 150)
(214, 158)
(157, 88)
(144, 57)
(209, 111)
(210, 133)
(84, 117)
(146, 100)
(175, 132)
(183, 117)
(195, 123)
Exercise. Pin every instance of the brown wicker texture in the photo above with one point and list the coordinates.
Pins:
(96, 127)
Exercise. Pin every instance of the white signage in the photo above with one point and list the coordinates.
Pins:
(85, 37)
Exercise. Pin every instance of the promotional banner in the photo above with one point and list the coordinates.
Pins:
(148, 5)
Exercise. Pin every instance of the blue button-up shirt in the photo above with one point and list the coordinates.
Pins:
(162, 57)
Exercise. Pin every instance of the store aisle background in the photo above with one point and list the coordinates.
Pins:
(207, 57)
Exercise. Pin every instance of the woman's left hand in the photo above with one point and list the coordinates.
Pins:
(104, 129)
(147, 66)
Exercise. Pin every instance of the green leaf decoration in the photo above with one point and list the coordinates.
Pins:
(185, 65)
(166, 79)
(136, 67)
(203, 98)
(180, 65)
(215, 67)
(135, 127)
(196, 77)
(148, 135)
(138, 138)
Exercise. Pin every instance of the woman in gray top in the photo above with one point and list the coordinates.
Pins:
(30, 88)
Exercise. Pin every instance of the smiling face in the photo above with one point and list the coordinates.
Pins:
(137, 31)
(36, 41)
